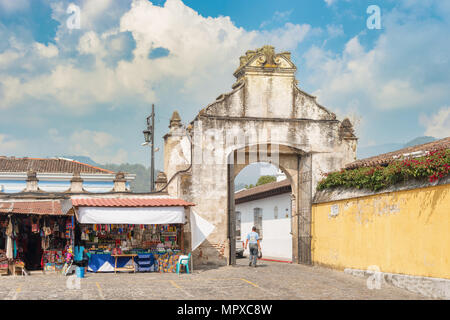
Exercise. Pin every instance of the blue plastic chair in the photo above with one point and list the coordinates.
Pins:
(183, 261)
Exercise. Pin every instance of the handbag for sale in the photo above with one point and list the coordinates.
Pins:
(47, 231)
(35, 228)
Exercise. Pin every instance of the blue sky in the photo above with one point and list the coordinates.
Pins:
(87, 91)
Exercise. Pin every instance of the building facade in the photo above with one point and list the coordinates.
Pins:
(268, 208)
(58, 175)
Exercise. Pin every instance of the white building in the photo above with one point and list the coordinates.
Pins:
(268, 207)
(58, 175)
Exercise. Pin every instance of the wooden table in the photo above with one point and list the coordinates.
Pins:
(116, 256)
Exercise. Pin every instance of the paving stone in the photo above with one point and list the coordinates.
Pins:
(270, 280)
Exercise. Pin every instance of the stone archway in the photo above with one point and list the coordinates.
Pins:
(266, 112)
(293, 163)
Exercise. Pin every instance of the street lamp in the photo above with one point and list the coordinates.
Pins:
(149, 137)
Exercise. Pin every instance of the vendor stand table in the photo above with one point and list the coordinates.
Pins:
(132, 267)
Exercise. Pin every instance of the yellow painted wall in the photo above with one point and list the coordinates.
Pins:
(406, 232)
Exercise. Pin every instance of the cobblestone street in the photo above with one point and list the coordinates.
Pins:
(270, 280)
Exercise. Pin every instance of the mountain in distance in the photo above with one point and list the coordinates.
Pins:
(370, 151)
(419, 140)
(141, 183)
(366, 152)
(82, 159)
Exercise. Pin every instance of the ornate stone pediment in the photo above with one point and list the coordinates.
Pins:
(264, 59)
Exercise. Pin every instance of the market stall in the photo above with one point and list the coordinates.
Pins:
(36, 235)
(131, 234)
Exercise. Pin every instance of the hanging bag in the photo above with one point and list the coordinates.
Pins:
(47, 231)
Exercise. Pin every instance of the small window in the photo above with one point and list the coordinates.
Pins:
(275, 212)
(257, 221)
(238, 225)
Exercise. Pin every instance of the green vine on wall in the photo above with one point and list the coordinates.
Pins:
(435, 165)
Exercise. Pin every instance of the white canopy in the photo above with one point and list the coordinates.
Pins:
(200, 229)
(131, 215)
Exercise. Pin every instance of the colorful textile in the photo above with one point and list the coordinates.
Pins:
(9, 248)
(78, 253)
(168, 263)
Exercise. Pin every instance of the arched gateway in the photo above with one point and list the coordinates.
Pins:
(266, 117)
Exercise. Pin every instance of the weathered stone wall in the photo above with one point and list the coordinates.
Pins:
(400, 230)
(264, 111)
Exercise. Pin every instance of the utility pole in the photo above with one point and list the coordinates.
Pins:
(152, 165)
(149, 136)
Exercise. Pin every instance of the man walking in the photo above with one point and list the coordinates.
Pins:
(253, 240)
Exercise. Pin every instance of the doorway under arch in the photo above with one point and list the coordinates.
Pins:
(263, 198)
(296, 165)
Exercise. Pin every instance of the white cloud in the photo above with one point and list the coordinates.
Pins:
(91, 11)
(97, 139)
(402, 70)
(335, 30)
(49, 51)
(100, 146)
(201, 50)
(438, 124)
(278, 17)
(90, 44)
(11, 146)
(11, 6)
(8, 57)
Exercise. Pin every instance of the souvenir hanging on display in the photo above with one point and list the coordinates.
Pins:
(69, 224)
(47, 231)
(35, 227)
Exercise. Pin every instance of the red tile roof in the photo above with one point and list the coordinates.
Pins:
(51, 207)
(386, 158)
(11, 164)
(130, 202)
(263, 191)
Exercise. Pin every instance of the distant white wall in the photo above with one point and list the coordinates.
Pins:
(277, 239)
(60, 182)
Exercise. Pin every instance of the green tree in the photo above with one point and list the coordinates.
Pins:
(265, 179)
